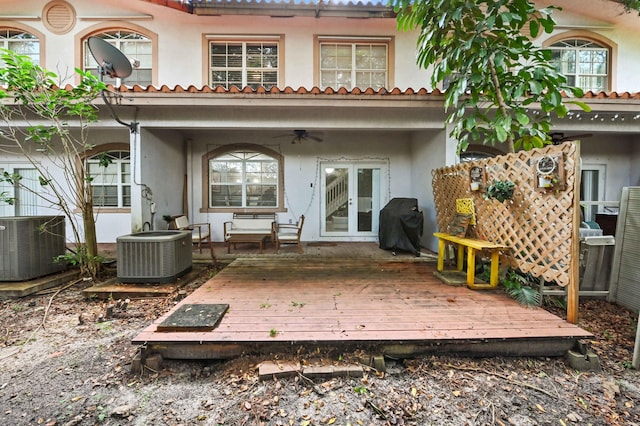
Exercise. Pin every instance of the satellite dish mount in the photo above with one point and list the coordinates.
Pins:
(115, 64)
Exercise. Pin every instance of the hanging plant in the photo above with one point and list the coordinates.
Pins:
(500, 190)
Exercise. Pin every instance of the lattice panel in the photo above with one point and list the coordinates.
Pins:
(537, 224)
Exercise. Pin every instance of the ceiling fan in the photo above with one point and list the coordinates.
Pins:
(558, 137)
(301, 135)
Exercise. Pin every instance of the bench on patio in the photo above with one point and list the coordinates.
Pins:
(249, 228)
(472, 245)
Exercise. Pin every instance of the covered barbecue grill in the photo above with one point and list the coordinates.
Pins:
(401, 226)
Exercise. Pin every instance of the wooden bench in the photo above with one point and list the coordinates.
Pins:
(472, 245)
(249, 228)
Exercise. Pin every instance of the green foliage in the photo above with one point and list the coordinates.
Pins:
(79, 257)
(496, 73)
(38, 115)
(361, 390)
(555, 302)
(501, 190)
(631, 5)
(519, 286)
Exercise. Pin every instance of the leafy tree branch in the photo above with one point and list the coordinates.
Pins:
(48, 125)
(496, 75)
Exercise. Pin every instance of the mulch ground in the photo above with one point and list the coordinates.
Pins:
(65, 360)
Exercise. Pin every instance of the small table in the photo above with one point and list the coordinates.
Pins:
(245, 238)
(472, 245)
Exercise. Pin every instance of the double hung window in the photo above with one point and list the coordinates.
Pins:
(363, 64)
(243, 63)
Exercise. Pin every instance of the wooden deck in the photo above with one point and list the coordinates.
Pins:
(393, 307)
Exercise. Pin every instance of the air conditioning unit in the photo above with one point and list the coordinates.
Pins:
(153, 256)
(29, 245)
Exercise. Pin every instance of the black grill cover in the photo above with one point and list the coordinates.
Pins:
(401, 225)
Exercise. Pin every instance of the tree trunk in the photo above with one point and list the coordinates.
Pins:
(90, 240)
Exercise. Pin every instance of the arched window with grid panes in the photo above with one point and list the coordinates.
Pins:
(138, 48)
(20, 42)
(586, 63)
(109, 170)
(243, 176)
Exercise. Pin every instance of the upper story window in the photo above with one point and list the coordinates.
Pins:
(110, 173)
(20, 42)
(351, 64)
(135, 46)
(243, 176)
(585, 63)
(244, 63)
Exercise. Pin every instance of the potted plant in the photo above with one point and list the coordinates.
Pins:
(500, 190)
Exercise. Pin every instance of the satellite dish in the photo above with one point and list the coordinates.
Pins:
(111, 61)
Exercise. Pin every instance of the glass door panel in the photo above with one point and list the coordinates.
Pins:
(352, 197)
(337, 199)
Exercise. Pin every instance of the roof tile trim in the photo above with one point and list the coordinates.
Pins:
(288, 90)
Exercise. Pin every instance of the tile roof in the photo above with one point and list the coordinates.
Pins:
(369, 8)
(273, 90)
(327, 91)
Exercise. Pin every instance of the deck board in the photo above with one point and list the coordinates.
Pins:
(331, 301)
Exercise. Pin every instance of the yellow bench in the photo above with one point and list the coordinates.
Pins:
(472, 246)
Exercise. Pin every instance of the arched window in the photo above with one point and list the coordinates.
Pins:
(584, 62)
(110, 176)
(135, 46)
(20, 42)
(243, 176)
(478, 152)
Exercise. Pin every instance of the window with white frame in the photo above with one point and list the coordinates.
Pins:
(21, 43)
(592, 185)
(110, 174)
(138, 48)
(585, 63)
(19, 194)
(243, 63)
(243, 179)
(363, 64)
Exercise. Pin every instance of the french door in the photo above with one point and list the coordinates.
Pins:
(352, 197)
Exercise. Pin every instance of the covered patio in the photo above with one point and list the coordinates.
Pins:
(355, 296)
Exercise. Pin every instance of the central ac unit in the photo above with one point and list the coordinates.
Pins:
(153, 256)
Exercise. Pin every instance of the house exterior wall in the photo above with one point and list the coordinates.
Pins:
(634, 179)
(612, 152)
(164, 155)
(302, 172)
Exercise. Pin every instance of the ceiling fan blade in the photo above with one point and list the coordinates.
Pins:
(559, 137)
(314, 138)
(578, 136)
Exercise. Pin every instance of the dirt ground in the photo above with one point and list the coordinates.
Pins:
(65, 361)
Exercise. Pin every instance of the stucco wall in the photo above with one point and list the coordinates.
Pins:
(616, 154)
(302, 171)
(163, 172)
(428, 153)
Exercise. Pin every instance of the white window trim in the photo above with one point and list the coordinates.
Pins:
(118, 180)
(598, 47)
(354, 42)
(244, 40)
